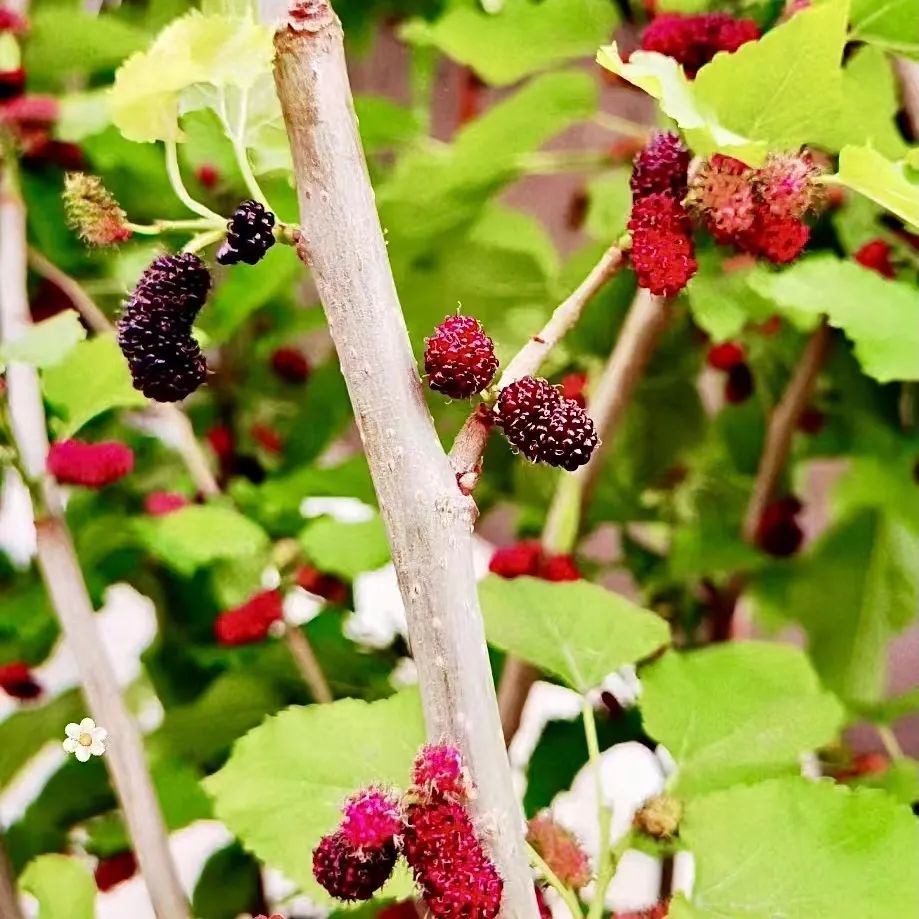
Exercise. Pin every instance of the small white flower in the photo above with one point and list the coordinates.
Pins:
(85, 739)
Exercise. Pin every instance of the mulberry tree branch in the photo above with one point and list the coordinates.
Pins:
(428, 519)
(469, 445)
(640, 334)
(66, 588)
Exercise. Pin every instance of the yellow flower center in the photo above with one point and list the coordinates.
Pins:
(86, 740)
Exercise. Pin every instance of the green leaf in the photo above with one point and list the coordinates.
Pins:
(91, 379)
(192, 57)
(279, 814)
(521, 38)
(345, 549)
(736, 712)
(887, 183)
(195, 537)
(800, 849)
(229, 884)
(722, 302)
(900, 780)
(66, 42)
(887, 711)
(578, 631)
(384, 124)
(46, 343)
(852, 593)
(63, 887)
(876, 314)
(891, 24)
(610, 205)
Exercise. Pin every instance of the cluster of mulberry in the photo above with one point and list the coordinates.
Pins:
(544, 426)
(430, 827)
(695, 40)
(154, 329)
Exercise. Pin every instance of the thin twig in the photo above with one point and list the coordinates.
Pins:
(9, 899)
(308, 664)
(67, 590)
(782, 425)
(640, 334)
(427, 518)
(469, 445)
(908, 72)
(82, 302)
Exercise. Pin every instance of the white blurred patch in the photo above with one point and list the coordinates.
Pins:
(17, 528)
(300, 606)
(637, 883)
(405, 673)
(26, 785)
(546, 702)
(270, 578)
(344, 510)
(684, 873)
(379, 615)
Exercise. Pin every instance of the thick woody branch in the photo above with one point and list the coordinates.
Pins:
(67, 589)
(782, 425)
(471, 441)
(640, 334)
(428, 519)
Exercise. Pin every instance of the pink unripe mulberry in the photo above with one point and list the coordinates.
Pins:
(348, 874)
(74, 462)
(559, 850)
(371, 818)
(694, 40)
(459, 358)
(721, 195)
(661, 166)
(251, 621)
(456, 876)
(439, 772)
(662, 252)
(786, 184)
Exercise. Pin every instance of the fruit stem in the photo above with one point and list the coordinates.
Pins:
(565, 892)
(605, 862)
(166, 226)
(890, 742)
(178, 186)
(203, 240)
(621, 125)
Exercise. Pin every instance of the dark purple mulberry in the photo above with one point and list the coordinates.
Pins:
(661, 166)
(570, 438)
(249, 235)
(348, 874)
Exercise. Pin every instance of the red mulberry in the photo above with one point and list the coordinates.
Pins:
(560, 568)
(114, 870)
(779, 239)
(514, 561)
(694, 40)
(249, 235)
(725, 356)
(16, 680)
(456, 876)
(778, 532)
(250, 622)
(662, 250)
(74, 462)
(876, 256)
(721, 195)
(371, 819)
(347, 874)
(661, 166)
(160, 503)
(290, 365)
(459, 358)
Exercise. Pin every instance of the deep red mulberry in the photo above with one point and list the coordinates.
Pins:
(459, 358)
(17, 680)
(439, 772)
(778, 532)
(570, 438)
(322, 585)
(662, 253)
(290, 365)
(726, 355)
(560, 568)
(114, 870)
(786, 184)
(779, 239)
(160, 503)
(812, 420)
(249, 235)
(371, 819)
(75, 462)
(740, 383)
(559, 850)
(721, 195)
(522, 412)
(250, 622)
(519, 559)
(208, 175)
(222, 442)
(694, 40)
(661, 166)
(347, 874)
(456, 876)
(876, 256)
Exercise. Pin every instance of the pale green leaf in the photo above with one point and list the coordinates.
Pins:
(887, 711)
(887, 183)
(891, 24)
(82, 114)
(46, 343)
(736, 712)
(855, 590)
(345, 549)
(196, 536)
(285, 782)
(384, 124)
(64, 887)
(203, 52)
(91, 379)
(900, 780)
(520, 39)
(800, 850)
(576, 630)
(876, 314)
(610, 205)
